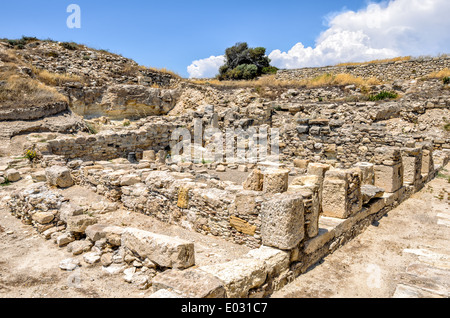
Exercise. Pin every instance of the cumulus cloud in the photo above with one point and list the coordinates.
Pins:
(381, 30)
(206, 68)
(385, 30)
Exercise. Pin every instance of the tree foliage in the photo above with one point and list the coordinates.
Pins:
(246, 63)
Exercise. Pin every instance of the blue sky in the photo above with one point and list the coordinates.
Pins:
(174, 33)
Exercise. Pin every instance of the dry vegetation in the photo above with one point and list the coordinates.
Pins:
(18, 89)
(270, 81)
(395, 59)
(165, 71)
(55, 79)
(441, 74)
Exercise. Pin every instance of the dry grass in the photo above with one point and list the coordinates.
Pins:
(165, 71)
(55, 79)
(440, 75)
(19, 91)
(395, 59)
(270, 81)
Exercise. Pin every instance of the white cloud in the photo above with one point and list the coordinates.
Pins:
(206, 68)
(389, 29)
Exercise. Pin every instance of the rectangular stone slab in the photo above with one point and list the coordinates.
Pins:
(191, 283)
(163, 250)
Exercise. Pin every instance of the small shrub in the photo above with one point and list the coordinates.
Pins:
(126, 123)
(71, 46)
(91, 128)
(382, 96)
(446, 80)
(52, 54)
(447, 127)
(5, 183)
(31, 155)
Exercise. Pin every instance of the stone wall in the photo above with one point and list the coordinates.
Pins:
(110, 145)
(388, 71)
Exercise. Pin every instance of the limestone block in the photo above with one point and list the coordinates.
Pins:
(59, 176)
(276, 181)
(161, 157)
(282, 221)
(239, 276)
(39, 176)
(254, 181)
(96, 232)
(301, 163)
(190, 283)
(163, 250)
(387, 156)
(242, 225)
(246, 202)
(149, 155)
(69, 209)
(412, 164)
(183, 198)
(64, 239)
(389, 178)
(368, 172)
(427, 161)
(341, 196)
(12, 175)
(43, 217)
(370, 192)
(113, 235)
(79, 223)
(276, 260)
(129, 180)
(319, 170)
(334, 198)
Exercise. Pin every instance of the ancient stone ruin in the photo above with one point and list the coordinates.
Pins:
(343, 164)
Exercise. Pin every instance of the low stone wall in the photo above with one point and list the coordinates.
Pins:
(388, 71)
(110, 145)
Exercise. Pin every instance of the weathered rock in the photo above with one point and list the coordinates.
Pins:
(79, 223)
(301, 163)
(69, 264)
(368, 173)
(64, 239)
(96, 232)
(59, 176)
(68, 210)
(190, 283)
(389, 178)
(43, 217)
(163, 250)
(282, 218)
(341, 194)
(12, 175)
(91, 258)
(370, 192)
(276, 181)
(79, 247)
(255, 181)
(239, 276)
(276, 260)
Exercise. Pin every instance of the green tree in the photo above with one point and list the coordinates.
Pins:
(246, 63)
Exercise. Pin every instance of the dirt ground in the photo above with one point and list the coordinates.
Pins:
(407, 254)
(29, 265)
